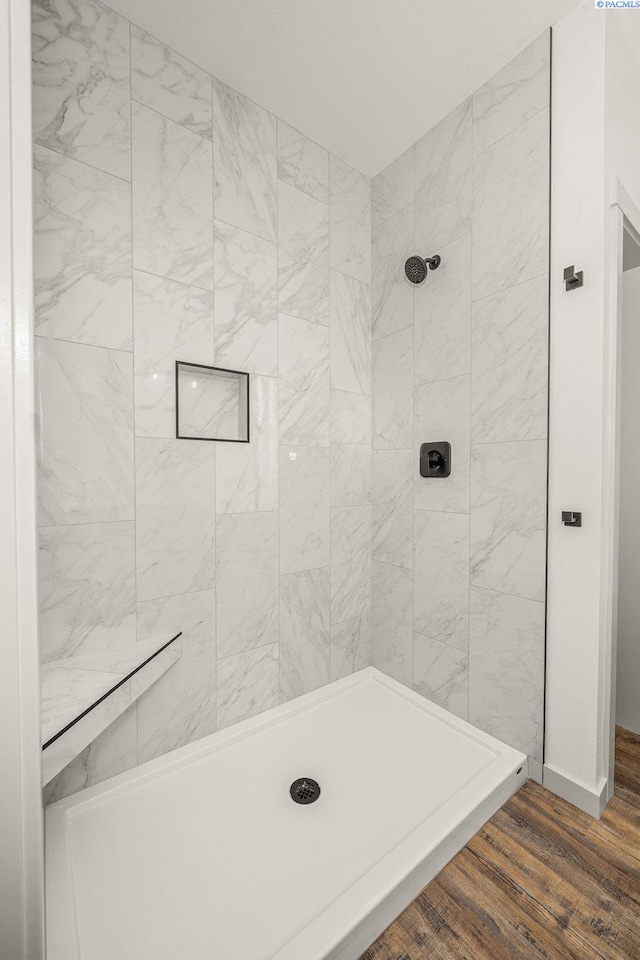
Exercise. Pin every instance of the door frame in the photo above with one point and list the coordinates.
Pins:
(21, 811)
(623, 215)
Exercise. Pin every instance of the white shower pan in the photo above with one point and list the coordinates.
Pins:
(203, 855)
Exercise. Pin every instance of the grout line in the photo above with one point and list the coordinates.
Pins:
(133, 391)
(490, 443)
(177, 123)
(503, 593)
(428, 383)
(84, 163)
(509, 132)
(83, 343)
(181, 283)
(512, 286)
(393, 333)
(82, 523)
(240, 653)
(442, 643)
(293, 186)
(172, 596)
(449, 513)
(400, 209)
(330, 471)
(215, 446)
(250, 233)
(349, 276)
(279, 445)
(390, 563)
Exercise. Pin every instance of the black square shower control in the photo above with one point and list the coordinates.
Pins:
(435, 459)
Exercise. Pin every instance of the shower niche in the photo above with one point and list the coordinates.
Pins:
(211, 403)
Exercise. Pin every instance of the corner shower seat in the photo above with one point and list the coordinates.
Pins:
(82, 695)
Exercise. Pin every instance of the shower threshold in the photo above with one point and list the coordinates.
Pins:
(204, 854)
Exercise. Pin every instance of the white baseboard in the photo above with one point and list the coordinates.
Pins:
(590, 801)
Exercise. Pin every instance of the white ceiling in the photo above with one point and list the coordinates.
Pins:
(365, 78)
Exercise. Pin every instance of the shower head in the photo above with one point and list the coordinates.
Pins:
(416, 267)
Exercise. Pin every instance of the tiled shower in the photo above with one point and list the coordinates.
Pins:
(177, 220)
(459, 564)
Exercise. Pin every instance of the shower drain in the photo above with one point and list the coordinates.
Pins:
(304, 790)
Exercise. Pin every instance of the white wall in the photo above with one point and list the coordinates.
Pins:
(628, 665)
(595, 142)
(575, 400)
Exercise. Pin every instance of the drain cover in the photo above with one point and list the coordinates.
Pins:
(304, 790)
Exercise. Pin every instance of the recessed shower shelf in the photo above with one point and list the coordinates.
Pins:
(82, 695)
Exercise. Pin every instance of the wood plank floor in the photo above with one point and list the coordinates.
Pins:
(541, 879)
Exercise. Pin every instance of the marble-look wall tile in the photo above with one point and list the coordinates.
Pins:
(181, 706)
(247, 473)
(86, 588)
(302, 163)
(392, 539)
(82, 252)
(172, 200)
(392, 388)
(245, 164)
(113, 751)
(350, 470)
(248, 683)
(350, 334)
(392, 188)
(214, 531)
(81, 83)
(246, 301)
(392, 294)
(350, 417)
(170, 84)
(304, 508)
(350, 646)
(441, 577)
(506, 669)
(441, 674)
(442, 413)
(246, 581)
(443, 317)
(304, 382)
(350, 562)
(303, 255)
(443, 182)
(85, 455)
(509, 371)
(474, 342)
(511, 189)
(304, 632)
(350, 208)
(172, 321)
(508, 517)
(391, 594)
(175, 517)
(513, 94)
